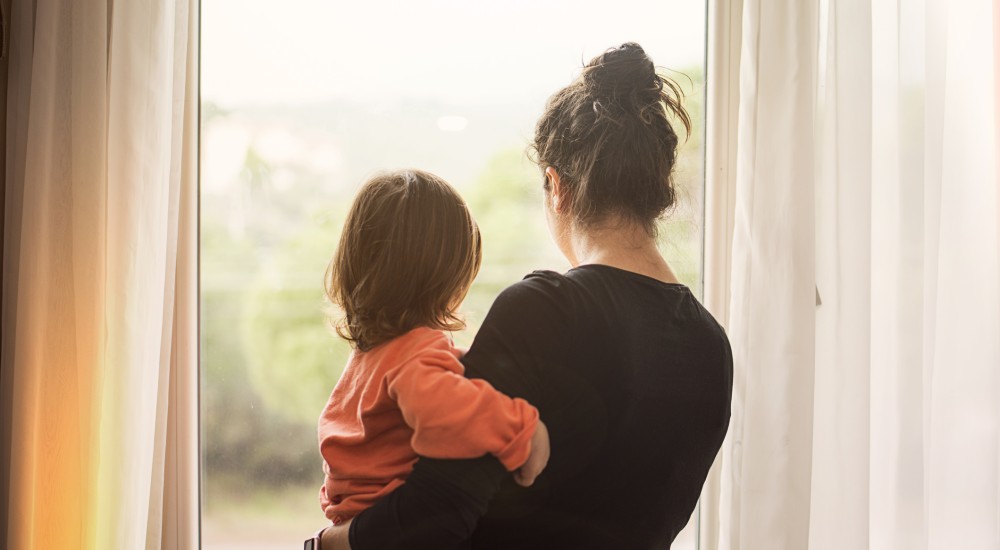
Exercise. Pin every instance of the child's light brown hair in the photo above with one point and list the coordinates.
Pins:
(408, 254)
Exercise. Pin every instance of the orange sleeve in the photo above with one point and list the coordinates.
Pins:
(455, 417)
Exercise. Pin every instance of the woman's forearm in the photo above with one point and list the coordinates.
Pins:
(336, 537)
(438, 506)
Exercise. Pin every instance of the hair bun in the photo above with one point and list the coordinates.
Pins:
(623, 72)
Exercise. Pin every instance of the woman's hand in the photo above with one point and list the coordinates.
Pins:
(336, 537)
(526, 474)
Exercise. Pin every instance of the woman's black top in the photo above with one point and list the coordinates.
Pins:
(633, 378)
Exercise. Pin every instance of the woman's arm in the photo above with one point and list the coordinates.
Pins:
(442, 501)
(438, 506)
(336, 537)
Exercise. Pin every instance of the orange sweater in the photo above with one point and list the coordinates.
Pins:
(408, 397)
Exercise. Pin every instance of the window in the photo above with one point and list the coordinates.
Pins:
(304, 99)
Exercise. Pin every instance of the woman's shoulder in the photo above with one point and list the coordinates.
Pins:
(543, 278)
(542, 291)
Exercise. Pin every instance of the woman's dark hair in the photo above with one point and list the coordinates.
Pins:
(409, 248)
(608, 136)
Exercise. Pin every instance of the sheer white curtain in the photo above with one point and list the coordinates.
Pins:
(767, 457)
(100, 274)
(866, 407)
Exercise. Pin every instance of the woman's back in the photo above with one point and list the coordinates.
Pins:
(634, 378)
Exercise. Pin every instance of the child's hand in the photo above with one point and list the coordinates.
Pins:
(526, 474)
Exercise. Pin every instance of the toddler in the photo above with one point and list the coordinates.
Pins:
(407, 256)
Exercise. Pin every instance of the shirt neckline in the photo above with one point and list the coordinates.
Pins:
(678, 286)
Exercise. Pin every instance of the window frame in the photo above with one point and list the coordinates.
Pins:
(721, 100)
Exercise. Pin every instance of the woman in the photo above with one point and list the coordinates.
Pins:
(631, 374)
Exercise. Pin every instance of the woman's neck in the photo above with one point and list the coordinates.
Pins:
(624, 246)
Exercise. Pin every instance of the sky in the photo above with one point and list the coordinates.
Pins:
(472, 51)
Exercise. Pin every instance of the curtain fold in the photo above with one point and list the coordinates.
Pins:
(765, 480)
(843, 207)
(897, 375)
(100, 322)
(722, 104)
(899, 446)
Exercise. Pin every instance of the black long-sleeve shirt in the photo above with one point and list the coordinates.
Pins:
(633, 378)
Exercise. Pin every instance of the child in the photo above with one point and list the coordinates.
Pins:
(407, 256)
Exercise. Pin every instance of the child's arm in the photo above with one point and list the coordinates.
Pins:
(455, 417)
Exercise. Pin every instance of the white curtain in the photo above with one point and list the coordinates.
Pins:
(100, 281)
(767, 456)
(865, 296)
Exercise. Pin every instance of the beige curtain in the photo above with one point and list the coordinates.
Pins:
(100, 265)
(865, 293)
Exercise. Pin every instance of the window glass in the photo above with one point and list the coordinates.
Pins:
(301, 101)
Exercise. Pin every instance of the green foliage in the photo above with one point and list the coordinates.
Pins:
(241, 438)
(507, 203)
(295, 359)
